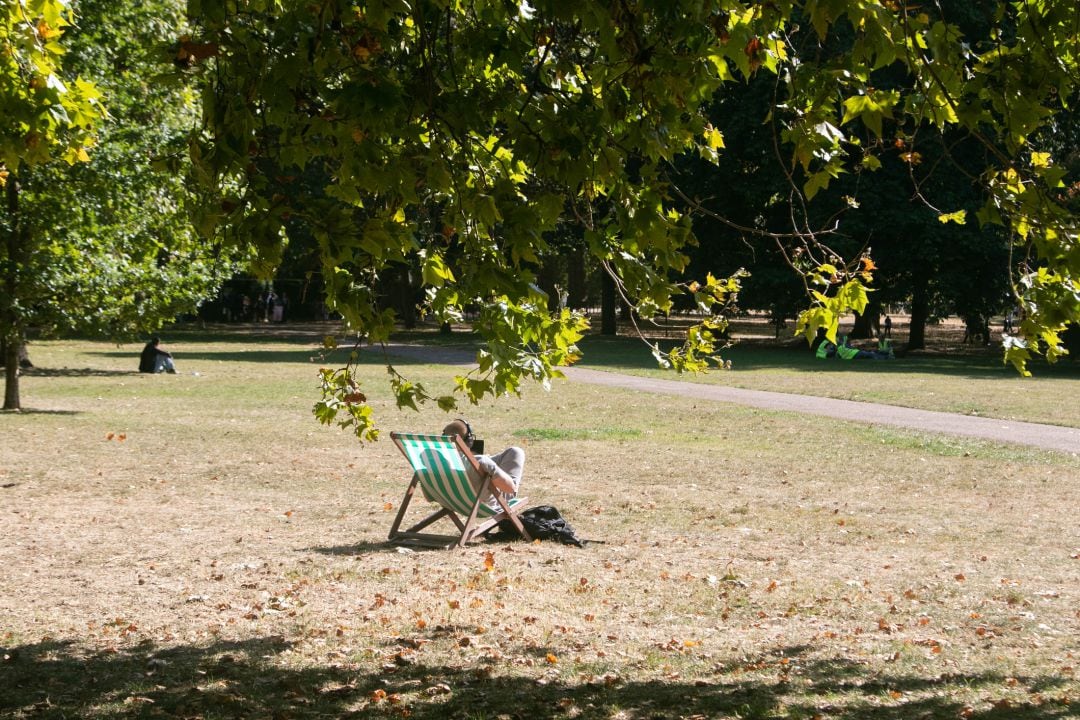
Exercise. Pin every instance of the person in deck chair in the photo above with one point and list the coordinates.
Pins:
(505, 468)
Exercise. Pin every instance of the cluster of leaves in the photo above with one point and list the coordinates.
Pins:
(1000, 92)
(45, 114)
(451, 137)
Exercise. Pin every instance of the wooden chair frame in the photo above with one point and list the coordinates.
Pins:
(438, 463)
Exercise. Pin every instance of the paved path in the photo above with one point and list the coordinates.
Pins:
(1049, 437)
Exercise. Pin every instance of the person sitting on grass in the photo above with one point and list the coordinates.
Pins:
(505, 468)
(155, 360)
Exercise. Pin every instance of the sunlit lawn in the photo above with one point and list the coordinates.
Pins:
(971, 384)
(196, 546)
(946, 378)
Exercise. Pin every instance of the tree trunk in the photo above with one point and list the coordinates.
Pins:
(405, 297)
(575, 280)
(608, 305)
(549, 279)
(24, 354)
(10, 322)
(867, 324)
(11, 378)
(920, 312)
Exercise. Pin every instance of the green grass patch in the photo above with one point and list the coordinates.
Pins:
(564, 434)
(967, 384)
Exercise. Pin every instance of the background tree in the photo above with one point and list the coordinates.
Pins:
(45, 116)
(106, 246)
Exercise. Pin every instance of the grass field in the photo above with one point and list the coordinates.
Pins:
(196, 546)
(948, 377)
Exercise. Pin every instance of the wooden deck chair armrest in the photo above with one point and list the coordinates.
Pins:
(466, 452)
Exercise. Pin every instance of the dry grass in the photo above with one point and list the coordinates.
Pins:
(950, 376)
(197, 547)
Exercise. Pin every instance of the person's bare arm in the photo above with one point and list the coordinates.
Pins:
(499, 478)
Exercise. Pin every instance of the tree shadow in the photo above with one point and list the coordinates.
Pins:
(617, 352)
(306, 356)
(261, 678)
(78, 372)
(34, 411)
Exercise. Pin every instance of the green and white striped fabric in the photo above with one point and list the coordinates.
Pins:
(442, 472)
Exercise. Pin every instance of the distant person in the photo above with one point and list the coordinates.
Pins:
(155, 360)
(505, 467)
(888, 327)
(279, 303)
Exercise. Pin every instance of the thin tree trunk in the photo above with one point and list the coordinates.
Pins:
(11, 378)
(920, 312)
(575, 279)
(10, 327)
(608, 305)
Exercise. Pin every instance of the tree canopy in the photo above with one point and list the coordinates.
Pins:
(456, 134)
(101, 243)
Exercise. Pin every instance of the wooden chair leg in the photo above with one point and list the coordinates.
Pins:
(404, 506)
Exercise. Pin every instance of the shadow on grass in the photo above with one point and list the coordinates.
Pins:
(306, 356)
(261, 678)
(361, 548)
(620, 352)
(78, 372)
(35, 411)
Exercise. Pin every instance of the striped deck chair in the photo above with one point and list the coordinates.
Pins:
(438, 463)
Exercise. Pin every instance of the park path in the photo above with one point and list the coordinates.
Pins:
(1048, 437)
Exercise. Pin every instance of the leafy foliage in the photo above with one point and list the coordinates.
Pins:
(107, 247)
(46, 116)
(456, 135)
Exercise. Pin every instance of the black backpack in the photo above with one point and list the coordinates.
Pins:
(542, 523)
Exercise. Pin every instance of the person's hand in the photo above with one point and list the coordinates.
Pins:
(487, 465)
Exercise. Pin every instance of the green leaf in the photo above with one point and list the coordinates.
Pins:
(959, 217)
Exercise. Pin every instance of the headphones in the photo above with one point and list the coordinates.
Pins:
(469, 437)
